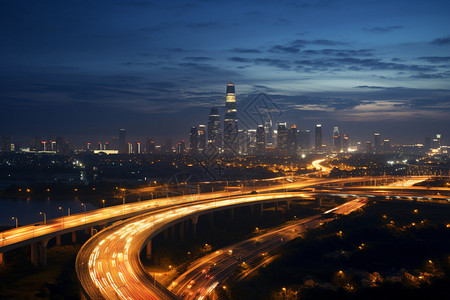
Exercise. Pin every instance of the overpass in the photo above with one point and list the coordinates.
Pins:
(39, 234)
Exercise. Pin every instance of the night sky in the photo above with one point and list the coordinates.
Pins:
(84, 69)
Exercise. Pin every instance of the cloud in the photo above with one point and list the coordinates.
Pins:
(383, 29)
(340, 52)
(374, 87)
(198, 58)
(441, 41)
(283, 49)
(319, 42)
(240, 59)
(436, 59)
(245, 50)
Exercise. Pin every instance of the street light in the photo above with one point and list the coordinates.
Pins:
(103, 201)
(62, 213)
(45, 217)
(17, 221)
(84, 205)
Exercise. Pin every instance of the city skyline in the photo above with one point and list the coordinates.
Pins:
(81, 69)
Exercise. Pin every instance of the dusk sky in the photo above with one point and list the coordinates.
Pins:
(84, 69)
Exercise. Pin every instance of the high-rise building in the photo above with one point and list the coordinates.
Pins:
(193, 140)
(130, 148)
(260, 140)
(244, 141)
(345, 143)
(123, 145)
(377, 143)
(214, 129)
(318, 138)
(292, 140)
(268, 129)
(336, 140)
(304, 139)
(181, 147)
(386, 146)
(369, 149)
(201, 137)
(137, 148)
(437, 141)
(282, 137)
(150, 146)
(230, 128)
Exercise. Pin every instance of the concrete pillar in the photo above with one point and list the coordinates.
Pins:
(194, 225)
(58, 240)
(262, 208)
(232, 214)
(74, 236)
(87, 230)
(148, 249)
(288, 204)
(166, 234)
(276, 206)
(2, 260)
(251, 209)
(319, 201)
(34, 254)
(181, 230)
(92, 231)
(43, 252)
(173, 231)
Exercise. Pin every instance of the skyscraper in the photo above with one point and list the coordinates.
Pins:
(193, 140)
(336, 140)
(304, 139)
(318, 138)
(345, 143)
(214, 128)
(230, 128)
(377, 143)
(123, 145)
(260, 140)
(292, 140)
(282, 135)
(201, 137)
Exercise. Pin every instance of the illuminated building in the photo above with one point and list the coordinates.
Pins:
(292, 140)
(150, 146)
(137, 149)
(123, 146)
(282, 136)
(201, 137)
(336, 140)
(437, 141)
(130, 148)
(318, 138)
(386, 146)
(377, 143)
(304, 139)
(181, 147)
(260, 140)
(214, 128)
(345, 143)
(230, 128)
(268, 129)
(369, 147)
(243, 141)
(193, 140)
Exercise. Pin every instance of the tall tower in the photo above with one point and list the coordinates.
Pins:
(230, 128)
(292, 140)
(336, 140)
(193, 140)
(318, 138)
(377, 143)
(123, 146)
(214, 128)
(260, 140)
(282, 136)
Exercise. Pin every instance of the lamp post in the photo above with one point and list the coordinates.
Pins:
(62, 213)
(45, 217)
(103, 201)
(84, 205)
(17, 221)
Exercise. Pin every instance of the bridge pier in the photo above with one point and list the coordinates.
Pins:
(2, 260)
(58, 240)
(288, 204)
(34, 254)
(74, 236)
(173, 231)
(181, 230)
(262, 209)
(166, 234)
(43, 252)
(251, 209)
(148, 249)
(194, 225)
(232, 214)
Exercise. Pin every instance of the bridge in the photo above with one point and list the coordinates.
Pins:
(39, 234)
